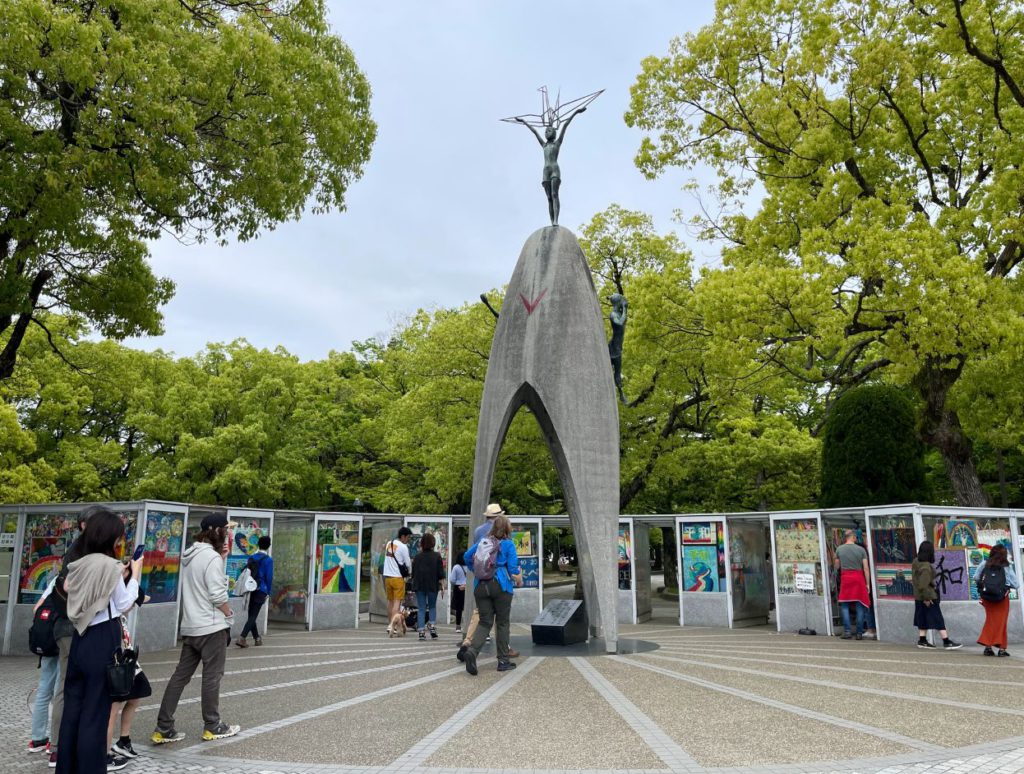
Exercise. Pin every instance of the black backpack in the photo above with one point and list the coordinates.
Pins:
(42, 638)
(992, 586)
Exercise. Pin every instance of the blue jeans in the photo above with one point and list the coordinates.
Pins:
(844, 612)
(49, 674)
(426, 601)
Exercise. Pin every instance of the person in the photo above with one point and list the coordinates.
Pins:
(205, 631)
(124, 709)
(491, 512)
(457, 584)
(427, 580)
(551, 178)
(617, 317)
(493, 596)
(49, 677)
(397, 566)
(261, 566)
(63, 631)
(97, 595)
(927, 614)
(993, 634)
(852, 562)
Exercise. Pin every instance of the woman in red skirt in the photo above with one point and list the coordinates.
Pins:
(995, 598)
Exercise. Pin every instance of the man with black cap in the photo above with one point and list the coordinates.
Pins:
(205, 631)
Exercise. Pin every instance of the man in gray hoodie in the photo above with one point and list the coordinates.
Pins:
(205, 631)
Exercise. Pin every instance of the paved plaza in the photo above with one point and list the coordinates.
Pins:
(704, 699)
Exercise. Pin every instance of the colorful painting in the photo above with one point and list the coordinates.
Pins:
(625, 553)
(797, 541)
(338, 564)
(787, 575)
(894, 581)
(530, 565)
(234, 566)
(439, 529)
(955, 533)
(700, 568)
(951, 576)
(696, 532)
(47, 538)
(524, 542)
(720, 543)
(246, 538)
(893, 546)
(163, 543)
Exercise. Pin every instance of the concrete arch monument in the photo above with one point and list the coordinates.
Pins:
(549, 353)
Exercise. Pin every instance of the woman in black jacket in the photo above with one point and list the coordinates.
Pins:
(427, 580)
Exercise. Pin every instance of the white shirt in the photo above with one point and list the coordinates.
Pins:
(401, 556)
(121, 601)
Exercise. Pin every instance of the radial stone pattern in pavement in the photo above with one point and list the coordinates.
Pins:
(705, 699)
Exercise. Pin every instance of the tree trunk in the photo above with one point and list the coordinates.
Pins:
(940, 428)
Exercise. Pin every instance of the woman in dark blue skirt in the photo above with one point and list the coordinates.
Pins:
(99, 589)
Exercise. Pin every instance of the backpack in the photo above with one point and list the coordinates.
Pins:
(248, 578)
(485, 558)
(42, 639)
(992, 586)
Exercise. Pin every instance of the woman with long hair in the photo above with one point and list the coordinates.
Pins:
(927, 614)
(99, 589)
(495, 577)
(994, 579)
(427, 580)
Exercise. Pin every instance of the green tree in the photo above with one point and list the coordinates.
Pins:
(121, 120)
(870, 453)
(868, 160)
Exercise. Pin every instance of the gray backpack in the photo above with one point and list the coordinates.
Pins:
(485, 558)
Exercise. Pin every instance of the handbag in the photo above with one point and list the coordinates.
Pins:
(121, 673)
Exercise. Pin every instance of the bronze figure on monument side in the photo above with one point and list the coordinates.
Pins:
(554, 120)
(617, 316)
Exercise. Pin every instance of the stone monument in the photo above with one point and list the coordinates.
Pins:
(549, 353)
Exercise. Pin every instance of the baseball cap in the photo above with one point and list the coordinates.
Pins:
(215, 520)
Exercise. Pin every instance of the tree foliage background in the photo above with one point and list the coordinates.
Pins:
(868, 208)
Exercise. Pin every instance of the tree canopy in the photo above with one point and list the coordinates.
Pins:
(121, 120)
(868, 160)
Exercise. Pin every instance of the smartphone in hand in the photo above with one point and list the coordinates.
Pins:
(139, 551)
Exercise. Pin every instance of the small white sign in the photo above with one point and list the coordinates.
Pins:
(7, 539)
(804, 581)
(1020, 540)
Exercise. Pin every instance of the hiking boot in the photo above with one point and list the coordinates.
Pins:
(123, 746)
(925, 644)
(240, 642)
(470, 659)
(166, 737)
(950, 645)
(116, 762)
(988, 652)
(461, 655)
(39, 745)
(423, 635)
(1003, 653)
(506, 666)
(433, 633)
(257, 641)
(222, 731)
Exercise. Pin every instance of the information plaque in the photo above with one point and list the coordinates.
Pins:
(561, 622)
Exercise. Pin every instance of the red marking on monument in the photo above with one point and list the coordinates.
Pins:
(532, 305)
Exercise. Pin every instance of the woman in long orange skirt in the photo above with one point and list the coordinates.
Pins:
(995, 598)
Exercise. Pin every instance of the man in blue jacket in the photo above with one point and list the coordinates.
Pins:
(261, 566)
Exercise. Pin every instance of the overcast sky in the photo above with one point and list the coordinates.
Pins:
(449, 194)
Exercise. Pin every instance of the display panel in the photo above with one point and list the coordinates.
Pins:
(337, 557)
(625, 553)
(797, 550)
(702, 556)
(526, 539)
(244, 543)
(164, 538)
(47, 537)
(962, 544)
